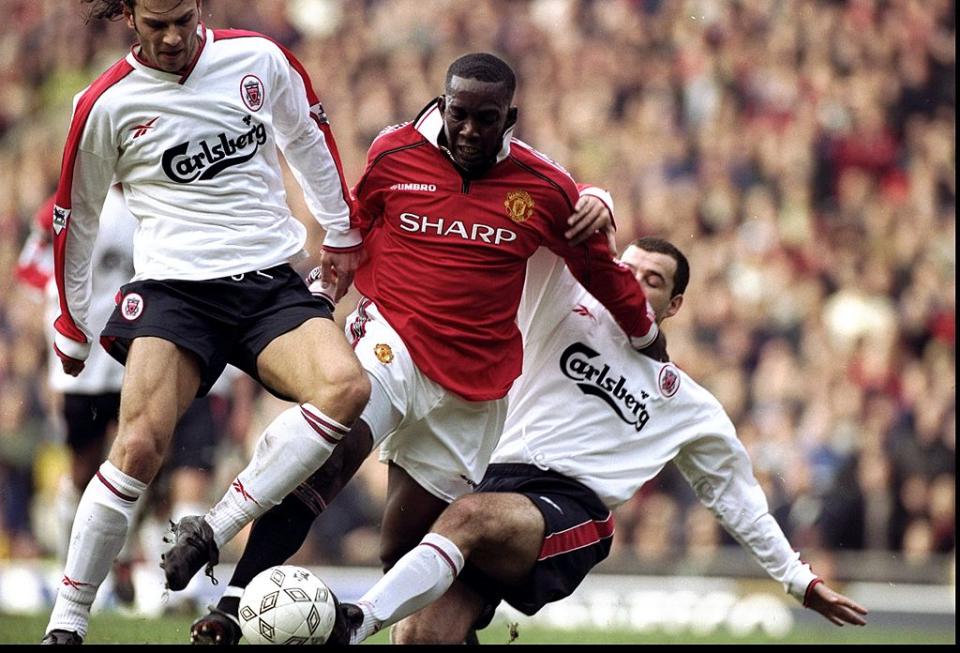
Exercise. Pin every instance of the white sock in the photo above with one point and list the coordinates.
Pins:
(128, 552)
(291, 448)
(66, 501)
(99, 529)
(418, 579)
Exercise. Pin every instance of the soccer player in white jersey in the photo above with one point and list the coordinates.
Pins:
(589, 422)
(190, 123)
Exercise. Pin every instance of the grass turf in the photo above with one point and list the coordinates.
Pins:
(112, 628)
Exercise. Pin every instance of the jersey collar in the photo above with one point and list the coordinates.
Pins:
(429, 123)
(139, 63)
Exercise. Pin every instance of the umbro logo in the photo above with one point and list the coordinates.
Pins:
(430, 188)
(144, 127)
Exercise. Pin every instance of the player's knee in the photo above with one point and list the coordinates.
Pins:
(348, 390)
(467, 520)
(140, 449)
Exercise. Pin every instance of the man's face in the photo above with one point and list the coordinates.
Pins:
(475, 116)
(167, 31)
(655, 273)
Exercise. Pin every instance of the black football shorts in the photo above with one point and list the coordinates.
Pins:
(578, 535)
(227, 320)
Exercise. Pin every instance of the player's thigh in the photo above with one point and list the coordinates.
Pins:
(408, 514)
(309, 359)
(445, 621)
(159, 382)
(502, 533)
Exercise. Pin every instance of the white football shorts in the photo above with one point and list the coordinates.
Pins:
(442, 441)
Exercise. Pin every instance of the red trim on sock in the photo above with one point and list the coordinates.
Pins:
(443, 554)
(125, 497)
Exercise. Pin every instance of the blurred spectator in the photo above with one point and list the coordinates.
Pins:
(801, 153)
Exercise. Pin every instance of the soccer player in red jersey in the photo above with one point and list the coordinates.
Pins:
(452, 207)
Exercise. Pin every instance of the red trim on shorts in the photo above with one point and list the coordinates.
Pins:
(125, 497)
(359, 326)
(576, 537)
(443, 554)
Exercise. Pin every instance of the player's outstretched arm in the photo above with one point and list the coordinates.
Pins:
(834, 606)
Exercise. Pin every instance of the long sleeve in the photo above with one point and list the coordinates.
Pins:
(719, 471)
(87, 169)
(306, 140)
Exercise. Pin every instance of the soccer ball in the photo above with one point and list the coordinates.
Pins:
(287, 605)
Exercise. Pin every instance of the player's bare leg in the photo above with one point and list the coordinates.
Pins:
(315, 366)
(501, 533)
(443, 620)
(160, 382)
(408, 514)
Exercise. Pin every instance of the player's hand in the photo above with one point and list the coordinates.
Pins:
(657, 350)
(322, 291)
(589, 216)
(834, 606)
(337, 270)
(72, 366)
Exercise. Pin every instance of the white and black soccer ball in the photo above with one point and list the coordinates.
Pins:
(287, 605)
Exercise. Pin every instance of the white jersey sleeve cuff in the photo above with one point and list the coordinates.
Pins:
(644, 341)
(798, 582)
(71, 348)
(604, 197)
(349, 239)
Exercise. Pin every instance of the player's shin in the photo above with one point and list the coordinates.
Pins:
(104, 514)
(419, 578)
(292, 447)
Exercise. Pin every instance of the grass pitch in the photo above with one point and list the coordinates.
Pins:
(112, 628)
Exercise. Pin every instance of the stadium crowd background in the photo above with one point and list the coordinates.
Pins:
(800, 152)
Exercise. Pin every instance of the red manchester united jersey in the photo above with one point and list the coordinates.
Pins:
(448, 254)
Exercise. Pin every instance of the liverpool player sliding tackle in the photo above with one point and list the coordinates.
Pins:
(588, 423)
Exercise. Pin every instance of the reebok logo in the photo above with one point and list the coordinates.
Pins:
(213, 157)
(143, 128)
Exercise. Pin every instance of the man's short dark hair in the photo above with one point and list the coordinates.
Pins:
(483, 67)
(107, 9)
(653, 244)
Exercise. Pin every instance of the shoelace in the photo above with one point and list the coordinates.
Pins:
(213, 555)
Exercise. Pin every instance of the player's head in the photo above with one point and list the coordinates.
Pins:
(167, 28)
(662, 270)
(477, 109)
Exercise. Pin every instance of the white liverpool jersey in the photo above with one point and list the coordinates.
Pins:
(592, 408)
(197, 155)
(112, 265)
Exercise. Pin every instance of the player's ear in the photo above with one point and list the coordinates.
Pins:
(675, 303)
(442, 103)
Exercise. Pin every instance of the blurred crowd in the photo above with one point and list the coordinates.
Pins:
(801, 153)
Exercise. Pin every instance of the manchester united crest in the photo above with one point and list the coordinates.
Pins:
(251, 92)
(519, 205)
(384, 353)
